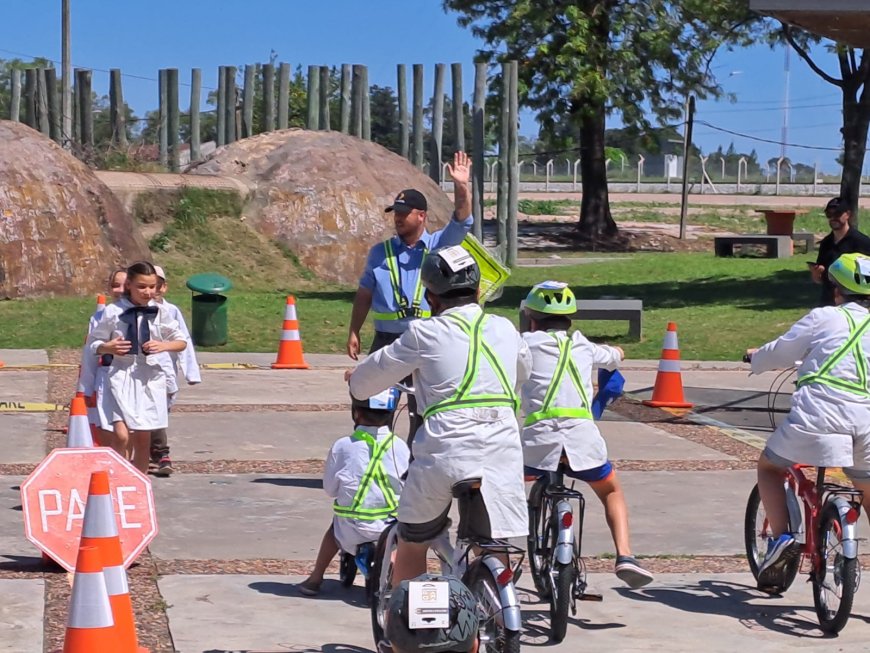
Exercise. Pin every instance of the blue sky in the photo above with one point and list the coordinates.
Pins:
(142, 37)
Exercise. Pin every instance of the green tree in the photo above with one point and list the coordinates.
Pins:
(854, 84)
(582, 61)
(6, 68)
(384, 109)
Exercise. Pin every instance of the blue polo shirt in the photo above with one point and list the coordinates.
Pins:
(376, 276)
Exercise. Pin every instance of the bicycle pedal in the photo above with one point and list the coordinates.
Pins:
(591, 596)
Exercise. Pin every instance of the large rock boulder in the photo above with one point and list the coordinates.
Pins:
(323, 194)
(61, 229)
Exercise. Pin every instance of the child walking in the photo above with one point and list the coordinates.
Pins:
(363, 474)
(134, 330)
(558, 418)
(160, 463)
(92, 374)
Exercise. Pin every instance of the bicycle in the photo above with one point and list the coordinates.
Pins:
(555, 529)
(360, 561)
(485, 575)
(823, 518)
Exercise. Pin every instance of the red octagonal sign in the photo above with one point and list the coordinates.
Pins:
(54, 495)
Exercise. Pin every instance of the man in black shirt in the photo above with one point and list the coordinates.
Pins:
(842, 240)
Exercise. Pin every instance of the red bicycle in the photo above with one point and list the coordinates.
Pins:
(823, 518)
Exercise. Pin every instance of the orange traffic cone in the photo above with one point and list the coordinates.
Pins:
(668, 390)
(89, 626)
(100, 530)
(290, 347)
(79, 430)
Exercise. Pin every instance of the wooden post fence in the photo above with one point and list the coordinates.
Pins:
(458, 107)
(356, 109)
(163, 109)
(325, 79)
(417, 116)
(15, 109)
(172, 118)
(268, 97)
(230, 117)
(248, 102)
(437, 124)
(313, 120)
(195, 93)
(402, 89)
(42, 103)
(503, 162)
(513, 164)
(283, 96)
(116, 109)
(346, 83)
(366, 105)
(478, 126)
(30, 92)
(221, 107)
(86, 112)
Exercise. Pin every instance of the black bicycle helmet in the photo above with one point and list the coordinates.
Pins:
(448, 269)
(460, 637)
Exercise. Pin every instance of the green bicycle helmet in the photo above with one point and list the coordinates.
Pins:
(552, 298)
(460, 637)
(851, 272)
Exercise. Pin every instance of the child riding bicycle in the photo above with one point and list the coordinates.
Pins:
(558, 417)
(363, 474)
(465, 365)
(829, 421)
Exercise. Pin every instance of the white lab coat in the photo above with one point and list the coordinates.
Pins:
(186, 358)
(135, 390)
(344, 469)
(544, 441)
(455, 445)
(826, 426)
(92, 376)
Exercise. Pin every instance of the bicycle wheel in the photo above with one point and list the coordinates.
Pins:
(834, 587)
(381, 579)
(483, 585)
(347, 570)
(756, 532)
(560, 599)
(538, 538)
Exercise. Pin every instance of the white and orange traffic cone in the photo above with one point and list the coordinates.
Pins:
(78, 432)
(668, 390)
(100, 530)
(89, 626)
(290, 348)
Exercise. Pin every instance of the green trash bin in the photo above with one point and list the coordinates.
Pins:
(209, 309)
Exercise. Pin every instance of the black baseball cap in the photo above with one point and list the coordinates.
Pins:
(407, 200)
(837, 206)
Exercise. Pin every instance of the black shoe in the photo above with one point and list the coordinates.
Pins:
(164, 467)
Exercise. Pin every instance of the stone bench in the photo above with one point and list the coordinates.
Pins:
(630, 310)
(807, 238)
(777, 246)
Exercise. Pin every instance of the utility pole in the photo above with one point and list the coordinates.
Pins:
(687, 145)
(66, 83)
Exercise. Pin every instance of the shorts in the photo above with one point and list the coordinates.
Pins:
(781, 461)
(600, 473)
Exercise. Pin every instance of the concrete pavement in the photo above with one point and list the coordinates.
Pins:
(240, 427)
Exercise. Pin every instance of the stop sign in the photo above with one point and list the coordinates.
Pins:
(53, 500)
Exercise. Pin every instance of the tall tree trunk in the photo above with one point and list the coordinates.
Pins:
(596, 222)
(856, 121)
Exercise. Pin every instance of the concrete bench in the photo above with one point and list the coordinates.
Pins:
(630, 310)
(807, 238)
(777, 246)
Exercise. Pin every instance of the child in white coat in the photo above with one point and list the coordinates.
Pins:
(161, 464)
(92, 374)
(361, 512)
(134, 331)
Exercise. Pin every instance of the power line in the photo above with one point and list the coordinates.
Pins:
(791, 108)
(768, 140)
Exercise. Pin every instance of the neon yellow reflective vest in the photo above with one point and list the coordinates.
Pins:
(463, 397)
(374, 473)
(565, 366)
(405, 310)
(851, 346)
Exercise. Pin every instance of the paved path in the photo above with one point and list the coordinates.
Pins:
(243, 516)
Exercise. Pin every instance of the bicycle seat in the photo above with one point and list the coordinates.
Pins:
(465, 487)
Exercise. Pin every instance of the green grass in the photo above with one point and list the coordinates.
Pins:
(721, 306)
(735, 219)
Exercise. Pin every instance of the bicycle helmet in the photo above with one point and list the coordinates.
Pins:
(383, 401)
(447, 269)
(460, 637)
(851, 272)
(552, 298)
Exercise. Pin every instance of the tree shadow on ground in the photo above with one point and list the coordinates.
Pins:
(732, 600)
(785, 289)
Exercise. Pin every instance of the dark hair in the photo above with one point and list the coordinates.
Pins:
(454, 298)
(369, 417)
(115, 274)
(140, 269)
(547, 322)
